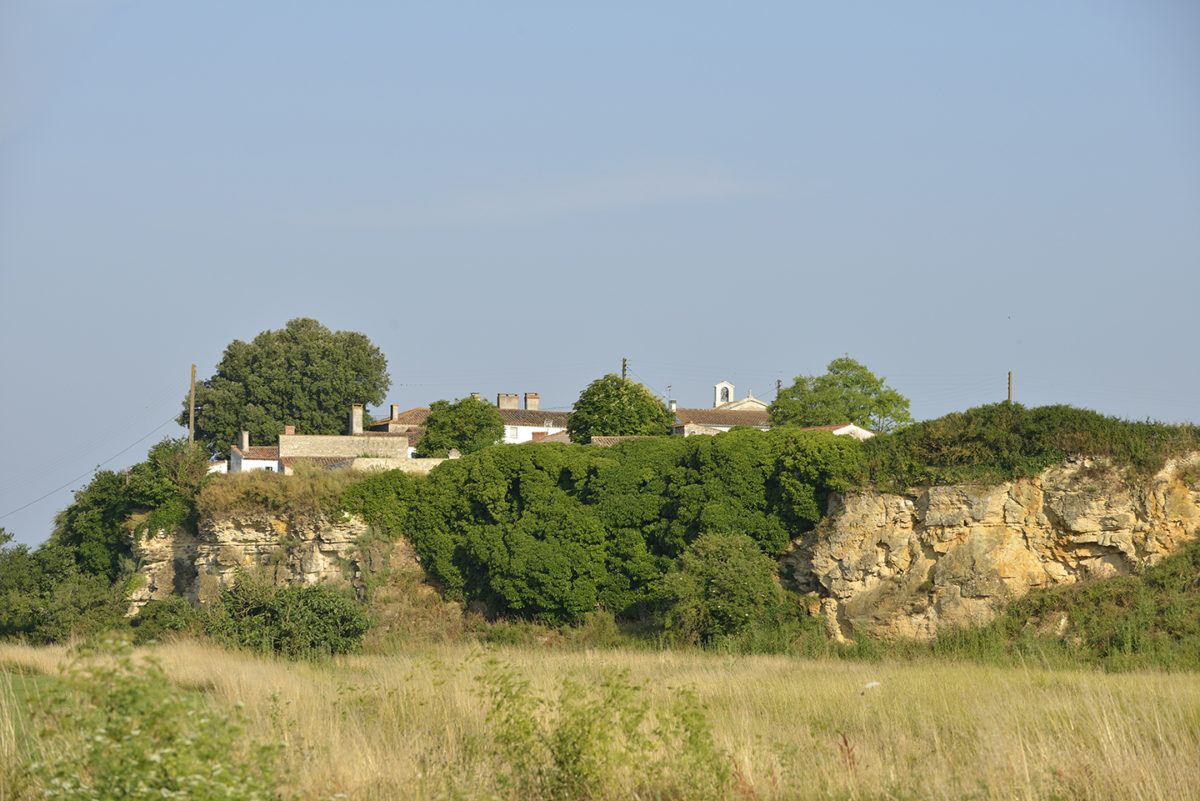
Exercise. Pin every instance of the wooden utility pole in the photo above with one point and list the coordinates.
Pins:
(1010, 386)
(778, 387)
(624, 365)
(192, 408)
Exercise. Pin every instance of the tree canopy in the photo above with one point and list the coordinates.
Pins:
(303, 375)
(847, 393)
(467, 424)
(615, 406)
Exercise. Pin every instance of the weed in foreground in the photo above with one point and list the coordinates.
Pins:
(599, 740)
(113, 727)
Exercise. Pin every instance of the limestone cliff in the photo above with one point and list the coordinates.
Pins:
(282, 549)
(906, 565)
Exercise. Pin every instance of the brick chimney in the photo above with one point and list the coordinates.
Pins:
(395, 411)
(507, 401)
(289, 431)
(244, 441)
(356, 419)
(531, 401)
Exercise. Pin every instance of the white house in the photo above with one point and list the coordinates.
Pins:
(520, 425)
(243, 457)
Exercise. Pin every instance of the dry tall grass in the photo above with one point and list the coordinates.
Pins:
(414, 726)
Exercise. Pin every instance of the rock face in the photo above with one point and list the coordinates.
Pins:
(275, 548)
(907, 565)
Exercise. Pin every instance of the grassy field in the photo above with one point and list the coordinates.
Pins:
(418, 725)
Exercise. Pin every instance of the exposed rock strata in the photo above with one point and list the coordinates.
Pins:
(907, 565)
(279, 549)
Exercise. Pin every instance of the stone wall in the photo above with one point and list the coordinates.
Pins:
(906, 565)
(422, 466)
(388, 446)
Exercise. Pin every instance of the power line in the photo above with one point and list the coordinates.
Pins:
(82, 476)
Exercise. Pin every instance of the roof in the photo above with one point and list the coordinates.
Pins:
(413, 417)
(512, 417)
(534, 417)
(609, 441)
(561, 436)
(326, 462)
(258, 452)
(724, 417)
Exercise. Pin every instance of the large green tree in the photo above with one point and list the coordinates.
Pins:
(303, 375)
(615, 406)
(467, 424)
(847, 393)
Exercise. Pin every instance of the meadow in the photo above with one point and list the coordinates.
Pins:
(465, 721)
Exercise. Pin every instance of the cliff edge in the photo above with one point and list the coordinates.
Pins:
(946, 556)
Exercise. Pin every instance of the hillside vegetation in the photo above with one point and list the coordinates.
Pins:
(1003, 441)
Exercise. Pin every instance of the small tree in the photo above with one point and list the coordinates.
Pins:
(615, 406)
(847, 393)
(303, 375)
(721, 585)
(467, 424)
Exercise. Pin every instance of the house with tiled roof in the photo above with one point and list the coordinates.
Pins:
(520, 425)
(726, 413)
(244, 457)
(358, 449)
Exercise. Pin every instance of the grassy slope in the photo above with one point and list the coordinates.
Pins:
(414, 725)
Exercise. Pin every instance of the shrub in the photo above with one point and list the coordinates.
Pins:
(292, 621)
(116, 728)
(157, 618)
(310, 491)
(586, 738)
(722, 585)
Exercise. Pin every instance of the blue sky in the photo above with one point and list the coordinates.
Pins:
(512, 197)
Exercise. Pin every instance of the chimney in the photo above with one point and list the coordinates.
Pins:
(395, 411)
(289, 431)
(506, 401)
(531, 401)
(244, 441)
(672, 406)
(356, 419)
(476, 396)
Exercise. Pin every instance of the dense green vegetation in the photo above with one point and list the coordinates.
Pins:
(1004, 441)
(550, 531)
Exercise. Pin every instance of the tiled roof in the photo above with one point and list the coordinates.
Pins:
(724, 417)
(327, 462)
(608, 442)
(561, 436)
(512, 417)
(258, 452)
(527, 417)
(413, 417)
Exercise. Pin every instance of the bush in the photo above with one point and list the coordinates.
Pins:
(157, 618)
(294, 622)
(722, 585)
(116, 728)
(310, 491)
(586, 738)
